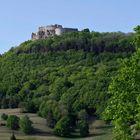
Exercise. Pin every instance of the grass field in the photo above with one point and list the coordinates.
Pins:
(98, 129)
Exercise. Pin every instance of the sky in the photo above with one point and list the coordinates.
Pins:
(19, 18)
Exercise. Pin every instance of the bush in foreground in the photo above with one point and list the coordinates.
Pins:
(62, 127)
(13, 122)
(25, 125)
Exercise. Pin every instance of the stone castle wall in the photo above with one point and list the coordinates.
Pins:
(51, 30)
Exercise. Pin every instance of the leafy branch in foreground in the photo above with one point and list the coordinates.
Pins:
(123, 106)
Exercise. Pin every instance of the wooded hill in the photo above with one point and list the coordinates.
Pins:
(63, 78)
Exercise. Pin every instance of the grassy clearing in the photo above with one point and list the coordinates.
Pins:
(98, 129)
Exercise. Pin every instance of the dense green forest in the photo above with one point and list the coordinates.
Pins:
(64, 78)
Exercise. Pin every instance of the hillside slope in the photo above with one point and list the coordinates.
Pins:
(63, 76)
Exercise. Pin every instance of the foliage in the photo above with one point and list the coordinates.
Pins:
(82, 115)
(82, 123)
(123, 106)
(4, 116)
(13, 122)
(62, 127)
(87, 41)
(28, 107)
(25, 125)
(83, 127)
(64, 75)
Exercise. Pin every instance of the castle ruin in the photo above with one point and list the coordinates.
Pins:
(51, 30)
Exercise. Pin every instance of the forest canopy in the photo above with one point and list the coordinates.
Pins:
(64, 78)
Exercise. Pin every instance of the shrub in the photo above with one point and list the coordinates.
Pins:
(28, 107)
(62, 127)
(25, 125)
(13, 122)
(4, 116)
(83, 127)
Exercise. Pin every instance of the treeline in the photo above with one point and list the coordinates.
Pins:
(65, 78)
(96, 42)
